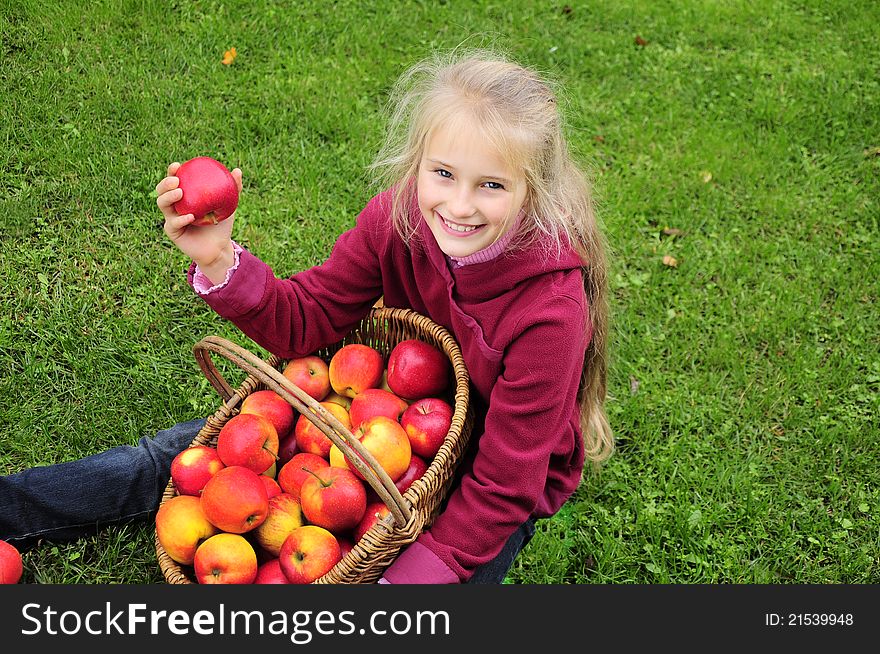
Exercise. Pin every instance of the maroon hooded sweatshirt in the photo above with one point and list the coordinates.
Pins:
(519, 319)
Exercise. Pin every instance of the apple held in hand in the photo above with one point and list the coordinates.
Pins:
(354, 368)
(310, 438)
(193, 467)
(417, 369)
(248, 440)
(284, 515)
(308, 553)
(426, 423)
(210, 192)
(273, 407)
(296, 471)
(333, 498)
(235, 500)
(11, 567)
(181, 526)
(225, 559)
(386, 440)
(375, 402)
(311, 374)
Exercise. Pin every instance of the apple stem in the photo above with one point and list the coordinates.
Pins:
(325, 484)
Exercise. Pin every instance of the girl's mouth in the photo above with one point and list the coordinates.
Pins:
(457, 229)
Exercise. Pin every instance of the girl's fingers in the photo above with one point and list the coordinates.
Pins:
(175, 223)
(166, 200)
(167, 184)
(172, 168)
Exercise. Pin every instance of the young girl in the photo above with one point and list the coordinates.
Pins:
(484, 224)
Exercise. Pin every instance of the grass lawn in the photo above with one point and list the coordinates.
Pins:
(735, 152)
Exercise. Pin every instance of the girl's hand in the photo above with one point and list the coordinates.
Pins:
(210, 246)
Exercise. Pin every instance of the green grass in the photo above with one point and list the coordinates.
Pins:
(744, 381)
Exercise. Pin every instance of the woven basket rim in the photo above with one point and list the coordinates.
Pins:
(385, 539)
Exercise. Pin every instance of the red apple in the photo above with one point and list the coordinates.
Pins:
(181, 526)
(354, 368)
(273, 407)
(417, 468)
(210, 192)
(417, 369)
(311, 374)
(248, 440)
(346, 545)
(272, 486)
(308, 553)
(235, 500)
(386, 440)
(193, 467)
(333, 498)
(309, 438)
(287, 447)
(225, 559)
(11, 567)
(427, 422)
(284, 515)
(375, 402)
(270, 572)
(296, 471)
(374, 513)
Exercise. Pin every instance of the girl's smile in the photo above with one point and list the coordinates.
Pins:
(467, 194)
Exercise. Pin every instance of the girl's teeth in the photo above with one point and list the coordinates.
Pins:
(459, 228)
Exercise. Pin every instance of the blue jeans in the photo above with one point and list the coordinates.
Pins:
(68, 500)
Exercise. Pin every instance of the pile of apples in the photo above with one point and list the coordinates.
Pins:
(276, 501)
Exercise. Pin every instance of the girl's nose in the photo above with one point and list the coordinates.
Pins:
(461, 204)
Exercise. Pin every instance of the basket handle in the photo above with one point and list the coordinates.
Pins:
(339, 435)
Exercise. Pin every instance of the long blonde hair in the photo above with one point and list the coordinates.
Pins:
(517, 110)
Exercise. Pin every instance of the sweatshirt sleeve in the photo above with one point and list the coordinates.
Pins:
(295, 316)
(531, 420)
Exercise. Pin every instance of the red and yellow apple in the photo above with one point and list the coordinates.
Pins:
(386, 440)
(309, 552)
(273, 407)
(225, 559)
(284, 515)
(417, 369)
(342, 400)
(181, 526)
(235, 500)
(310, 438)
(193, 467)
(354, 368)
(248, 440)
(11, 566)
(375, 402)
(426, 422)
(311, 374)
(210, 192)
(333, 498)
(296, 471)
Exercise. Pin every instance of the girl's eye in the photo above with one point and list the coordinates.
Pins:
(443, 173)
(495, 186)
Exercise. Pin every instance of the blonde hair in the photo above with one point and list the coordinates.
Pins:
(517, 111)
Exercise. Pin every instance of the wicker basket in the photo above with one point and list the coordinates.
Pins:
(411, 512)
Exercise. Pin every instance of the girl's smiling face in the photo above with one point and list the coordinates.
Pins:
(467, 194)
